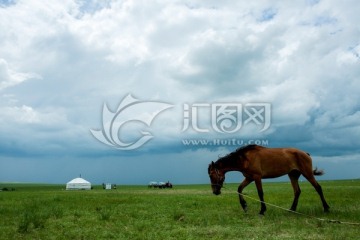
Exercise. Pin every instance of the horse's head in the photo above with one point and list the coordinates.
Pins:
(217, 178)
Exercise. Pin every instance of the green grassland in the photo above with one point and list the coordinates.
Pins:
(184, 212)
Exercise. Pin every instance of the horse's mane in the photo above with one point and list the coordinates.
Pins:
(228, 160)
(244, 149)
(240, 151)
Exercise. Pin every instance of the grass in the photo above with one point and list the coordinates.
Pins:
(185, 212)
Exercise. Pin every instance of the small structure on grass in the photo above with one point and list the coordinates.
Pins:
(108, 186)
(78, 184)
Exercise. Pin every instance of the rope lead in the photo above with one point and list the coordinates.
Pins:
(299, 213)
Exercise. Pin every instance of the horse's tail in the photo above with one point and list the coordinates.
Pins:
(318, 172)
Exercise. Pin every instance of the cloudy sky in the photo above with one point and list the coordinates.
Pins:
(69, 68)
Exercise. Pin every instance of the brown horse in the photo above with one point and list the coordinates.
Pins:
(257, 162)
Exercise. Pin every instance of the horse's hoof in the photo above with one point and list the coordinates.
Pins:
(245, 209)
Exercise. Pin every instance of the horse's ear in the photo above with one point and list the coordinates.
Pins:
(211, 165)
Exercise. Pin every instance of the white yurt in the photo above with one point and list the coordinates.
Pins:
(78, 184)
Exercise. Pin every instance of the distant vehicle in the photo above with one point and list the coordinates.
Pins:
(160, 185)
(153, 185)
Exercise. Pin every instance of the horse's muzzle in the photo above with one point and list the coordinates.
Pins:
(217, 192)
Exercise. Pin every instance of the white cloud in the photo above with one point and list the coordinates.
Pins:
(28, 115)
(9, 77)
(24, 114)
(60, 61)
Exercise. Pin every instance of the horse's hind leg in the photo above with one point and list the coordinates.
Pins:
(294, 177)
(261, 195)
(318, 188)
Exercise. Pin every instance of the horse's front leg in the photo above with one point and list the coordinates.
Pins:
(261, 195)
(244, 183)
